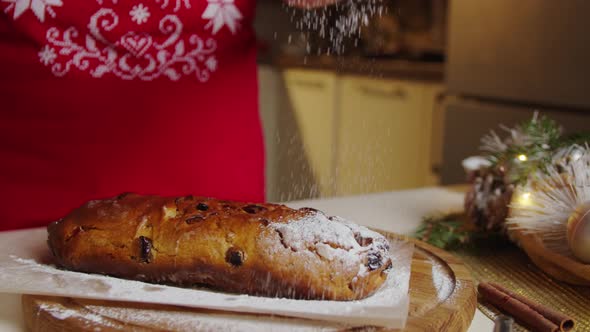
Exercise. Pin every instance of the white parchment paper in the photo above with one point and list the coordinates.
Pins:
(26, 268)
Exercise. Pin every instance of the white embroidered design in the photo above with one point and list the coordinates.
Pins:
(220, 13)
(109, 20)
(139, 14)
(134, 55)
(211, 63)
(47, 55)
(177, 6)
(38, 7)
(136, 44)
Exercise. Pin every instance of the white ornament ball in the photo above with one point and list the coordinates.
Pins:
(578, 232)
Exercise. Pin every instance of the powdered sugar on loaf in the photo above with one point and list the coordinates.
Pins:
(334, 239)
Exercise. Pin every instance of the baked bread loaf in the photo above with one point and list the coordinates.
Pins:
(257, 249)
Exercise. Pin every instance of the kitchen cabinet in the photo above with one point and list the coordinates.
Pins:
(432, 101)
(382, 139)
(332, 135)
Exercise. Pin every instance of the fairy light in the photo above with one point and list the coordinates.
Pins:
(576, 155)
(525, 198)
(522, 157)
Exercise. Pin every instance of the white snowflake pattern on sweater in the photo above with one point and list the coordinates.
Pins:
(220, 13)
(38, 7)
(47, 55)
(139, 14)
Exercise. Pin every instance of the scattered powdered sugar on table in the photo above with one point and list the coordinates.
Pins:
(179, 320)
(60, 312)
(441, 284)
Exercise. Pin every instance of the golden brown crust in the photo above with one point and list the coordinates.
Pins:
(259, 249)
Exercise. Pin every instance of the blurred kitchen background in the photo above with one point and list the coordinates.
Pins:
(410, 96)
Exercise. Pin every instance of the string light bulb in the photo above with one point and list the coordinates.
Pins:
(525, 198)
(522, 157)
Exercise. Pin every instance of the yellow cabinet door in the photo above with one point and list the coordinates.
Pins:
(432, 101)
(382, 135)
(311, 96)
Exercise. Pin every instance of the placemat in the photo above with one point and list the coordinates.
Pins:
(503, 262)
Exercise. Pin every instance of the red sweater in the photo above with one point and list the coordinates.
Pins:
(99, 97)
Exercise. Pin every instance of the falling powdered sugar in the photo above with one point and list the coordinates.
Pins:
(337, 23)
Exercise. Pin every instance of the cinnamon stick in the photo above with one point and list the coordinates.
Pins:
(565, 322)
(520, 311)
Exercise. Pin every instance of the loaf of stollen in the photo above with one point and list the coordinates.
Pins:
(257, 249)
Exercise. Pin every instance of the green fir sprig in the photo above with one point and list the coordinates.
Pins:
(444, 231)
(528, 148)
(452, 231)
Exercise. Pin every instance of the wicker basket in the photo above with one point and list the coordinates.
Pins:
(558, 266)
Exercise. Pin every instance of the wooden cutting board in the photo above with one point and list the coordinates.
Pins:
(442, 298)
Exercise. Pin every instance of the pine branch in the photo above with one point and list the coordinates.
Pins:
(453, 231)
(444, 231)
(536, 139)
